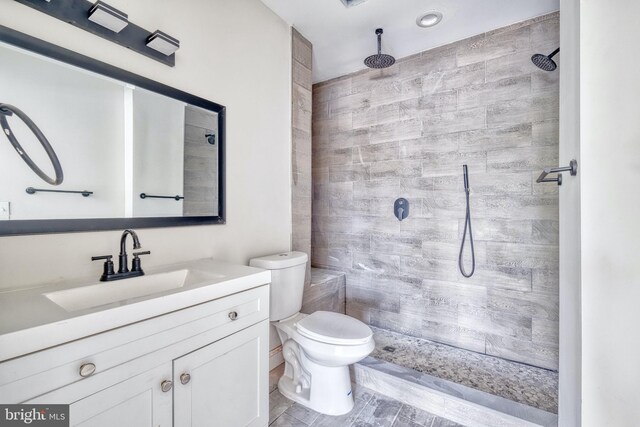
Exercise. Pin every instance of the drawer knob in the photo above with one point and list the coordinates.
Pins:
(185, 378)
(87, 369)
(166, 385)
(233, 315)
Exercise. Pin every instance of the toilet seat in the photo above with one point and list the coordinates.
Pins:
(334, 328)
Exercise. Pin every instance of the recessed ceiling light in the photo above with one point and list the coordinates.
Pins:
(429, 19)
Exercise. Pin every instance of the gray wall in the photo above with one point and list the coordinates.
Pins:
(301, 146)
(405, 132)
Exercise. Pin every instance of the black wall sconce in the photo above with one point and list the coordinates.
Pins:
(105, 21)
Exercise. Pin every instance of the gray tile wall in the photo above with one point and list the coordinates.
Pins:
(200, 180)
(301, 147)
(405, 132)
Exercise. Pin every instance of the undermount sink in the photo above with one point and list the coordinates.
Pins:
(103, 293)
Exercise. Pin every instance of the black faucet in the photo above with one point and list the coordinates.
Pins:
(123, 270)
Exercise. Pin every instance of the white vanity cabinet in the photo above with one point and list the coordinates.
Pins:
(205, 365)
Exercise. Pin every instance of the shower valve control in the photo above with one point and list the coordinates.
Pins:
(401, 209)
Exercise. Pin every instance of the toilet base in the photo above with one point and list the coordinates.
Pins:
(329, 391)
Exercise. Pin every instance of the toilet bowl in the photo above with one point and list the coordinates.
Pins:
(317, 348)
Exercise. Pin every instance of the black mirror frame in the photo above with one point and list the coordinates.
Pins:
(25, 227)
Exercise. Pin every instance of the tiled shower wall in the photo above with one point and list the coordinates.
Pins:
(301, 146)
(406, 132)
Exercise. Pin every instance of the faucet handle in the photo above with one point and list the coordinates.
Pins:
(108, 266)
(135, 263)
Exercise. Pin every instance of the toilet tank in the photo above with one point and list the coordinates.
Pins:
(287, 282)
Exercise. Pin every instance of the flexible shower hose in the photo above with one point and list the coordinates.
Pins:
(467, 226)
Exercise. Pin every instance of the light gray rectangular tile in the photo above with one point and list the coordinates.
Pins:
(520, 135)
(455, 121)
(546, 133)
(428, 104)
(494, 92)
(522, 255)
(486, 47)
(455, 78)
(376, 263)
(434, 229)
(522, 159)
(514, 349)
(404, 129)
(421, 148)
(373, 298)
(395, 169)
(376, 188)
(395, 245)
(514, 64)
(376, 152)
(348, 173)
(450, 163)
(526, 110)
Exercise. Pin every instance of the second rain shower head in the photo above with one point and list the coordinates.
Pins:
(379, 60)
(544, 62)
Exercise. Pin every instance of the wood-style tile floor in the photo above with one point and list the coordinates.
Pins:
(371, 409)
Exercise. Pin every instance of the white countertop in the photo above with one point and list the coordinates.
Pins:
(29, 321)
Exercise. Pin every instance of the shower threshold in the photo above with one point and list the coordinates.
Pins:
(468, 387)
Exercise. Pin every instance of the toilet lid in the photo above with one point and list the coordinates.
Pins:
(334, 328)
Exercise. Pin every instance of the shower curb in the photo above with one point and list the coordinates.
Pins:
(447, 399)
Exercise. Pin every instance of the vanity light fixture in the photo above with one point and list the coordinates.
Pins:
(429, 19)
(163, 43)
(108, 17)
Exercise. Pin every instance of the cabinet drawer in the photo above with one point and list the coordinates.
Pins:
(30, 376)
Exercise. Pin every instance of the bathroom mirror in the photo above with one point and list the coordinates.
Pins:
(87, 146)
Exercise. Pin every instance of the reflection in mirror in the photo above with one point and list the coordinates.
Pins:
(115, 142)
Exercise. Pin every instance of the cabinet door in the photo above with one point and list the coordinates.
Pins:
(136, 402)
(228, 382)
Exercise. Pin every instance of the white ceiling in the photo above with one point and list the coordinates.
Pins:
(342, 37)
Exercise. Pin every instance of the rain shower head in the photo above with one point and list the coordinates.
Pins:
(379, 60)
(545, 62)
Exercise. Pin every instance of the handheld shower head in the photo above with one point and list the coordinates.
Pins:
(544, 62)
(379, 60)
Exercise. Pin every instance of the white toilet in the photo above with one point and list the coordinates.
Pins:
(317, 348)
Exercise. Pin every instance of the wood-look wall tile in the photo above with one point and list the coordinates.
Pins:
(348, 173)
(376, 263)
(494, 92)
(500, 230)
(376, 299)
(545, 133)
(414, 189)
(519, 135)
(522, 351)
(526, 110)
(522, 255)
(455, 121)
(425, 105)
(455, 335)
(396, 169)
(421, 148)
(486, 47)
(404, 129)
(450, 163)
(511, 65)
(387, 188)
(374, 153)
(395, 245)
(437, 229)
